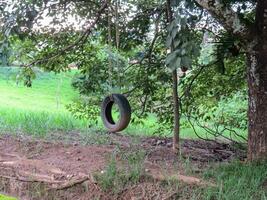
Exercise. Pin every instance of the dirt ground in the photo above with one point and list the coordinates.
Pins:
(56, 169)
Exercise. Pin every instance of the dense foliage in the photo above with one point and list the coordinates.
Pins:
(129, 53)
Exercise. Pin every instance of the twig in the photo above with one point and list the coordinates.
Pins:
(188, 88)
(71, 184)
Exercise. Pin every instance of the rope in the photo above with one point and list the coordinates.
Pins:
(117, 41)
(110, 70)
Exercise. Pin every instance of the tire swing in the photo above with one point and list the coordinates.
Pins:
(118, 99)
(124, 110)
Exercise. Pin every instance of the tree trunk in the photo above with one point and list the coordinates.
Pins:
(257, 83)
(176, 129)
(176, 113)
(257, 113)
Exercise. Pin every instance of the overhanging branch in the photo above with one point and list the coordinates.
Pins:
(227, 17)
(77, 43)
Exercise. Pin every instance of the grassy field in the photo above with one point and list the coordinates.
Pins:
(42, 107)
(49, 92)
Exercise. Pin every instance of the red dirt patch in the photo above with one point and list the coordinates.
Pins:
(34, 169)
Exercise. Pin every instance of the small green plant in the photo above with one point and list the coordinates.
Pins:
(119, 174)
(108, 177)
(95, 136)
(134, 164)
(188, 166)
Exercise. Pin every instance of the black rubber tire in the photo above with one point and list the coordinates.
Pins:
(125, 112)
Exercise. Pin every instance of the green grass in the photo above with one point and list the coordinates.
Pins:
(40, 108)
(238, 181)
(3, 197)
(230, 181)
(50, 92)
(37, 123)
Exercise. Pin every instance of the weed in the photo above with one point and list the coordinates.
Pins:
(95, 136)
(188, 166)
(118, 175)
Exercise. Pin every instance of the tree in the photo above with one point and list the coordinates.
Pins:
(253, 35)
(248, 26)
(176, 130)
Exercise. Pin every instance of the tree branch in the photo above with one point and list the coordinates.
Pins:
(78, 42)
(188, 88)
(228, 18)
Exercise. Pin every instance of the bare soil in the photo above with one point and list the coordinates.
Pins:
(40, 169)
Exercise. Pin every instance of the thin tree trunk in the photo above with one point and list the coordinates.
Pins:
(176, 113)
(257, 83)
(176, 130)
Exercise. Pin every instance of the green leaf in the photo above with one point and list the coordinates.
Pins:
(168, 41)
(183, 52)
(186, 62)
(195, 50)
(178, 62)
(175, 3)
(171, 25)
(176, 42)
(174, 32)
(183, 21)
(170, 57)
(173, 61)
